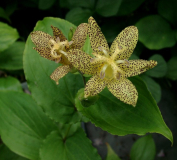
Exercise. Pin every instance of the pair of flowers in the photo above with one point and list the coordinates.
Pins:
(109, 67)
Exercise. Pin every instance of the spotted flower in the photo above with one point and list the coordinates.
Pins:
(55, 48)
(111, 67)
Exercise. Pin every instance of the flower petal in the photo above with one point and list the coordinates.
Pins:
(58, 33)
(124, 90)
(40, 39)
(97, 39)
(94, 86)
(124, 44)
(60, 72)
(80, 36)
(81, 61)
(46, 53)
(137, 67)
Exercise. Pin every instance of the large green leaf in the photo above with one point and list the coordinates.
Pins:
(172, 68)
(3, 14)
(75, 147)
(6, 154)
(10, 84)
(56, 100)
(45, 4)
(23, 124)
(128, 6)
(153, 87)
(143, 149)
(108, 8)
(12, 58)
(167, 9)
(155, 32)
(161, 69)
(77, 3)
(8, 35)
(78, 15)
(111, 30)
(119, 118)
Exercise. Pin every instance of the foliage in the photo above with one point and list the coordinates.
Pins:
(46, 124)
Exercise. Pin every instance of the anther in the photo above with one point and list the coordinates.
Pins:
(126, 62)
(61, 51)
(58, 40)
(102, 73)
(71, 42)
(118, 75)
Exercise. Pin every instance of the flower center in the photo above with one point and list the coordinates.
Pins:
(58, 48)
(110, 69)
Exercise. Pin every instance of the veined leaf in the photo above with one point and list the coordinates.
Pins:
(23, 124)
(121, 119)
(56, 100)
(75, 147)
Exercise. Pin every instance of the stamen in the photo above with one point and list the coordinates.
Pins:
(71, 42)
(63, 52)
(58, 60)
(118, 75)
(102, 73)
(58, 40)
(51, 43)
(104, 51)
(94, 60)
(126, 62)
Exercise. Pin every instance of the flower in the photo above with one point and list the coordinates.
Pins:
(110, 67)
(55, 48)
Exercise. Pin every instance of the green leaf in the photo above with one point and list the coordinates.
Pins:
(111, 155)
(108, 8)
(153, 87)
(78, 15)
(128, 6)
(133, 56)
(138, 49)
(10, 84)
(172, 68)
(167, 9)
(11, 7)
(143, 149)
(121, 119)
(111, 30)
(56, 100)
(77, 3)
(75, 147)
(6, 154)
(155, 32)
(160, 70)
(45, 4)
(23, 124)
(8, 35)
(12, 58)
(3, 14)
(87, 47)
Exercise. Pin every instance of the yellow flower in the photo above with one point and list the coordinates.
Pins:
(110, 67)
(55, 48)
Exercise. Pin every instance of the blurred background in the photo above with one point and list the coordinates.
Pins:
(157, 24)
